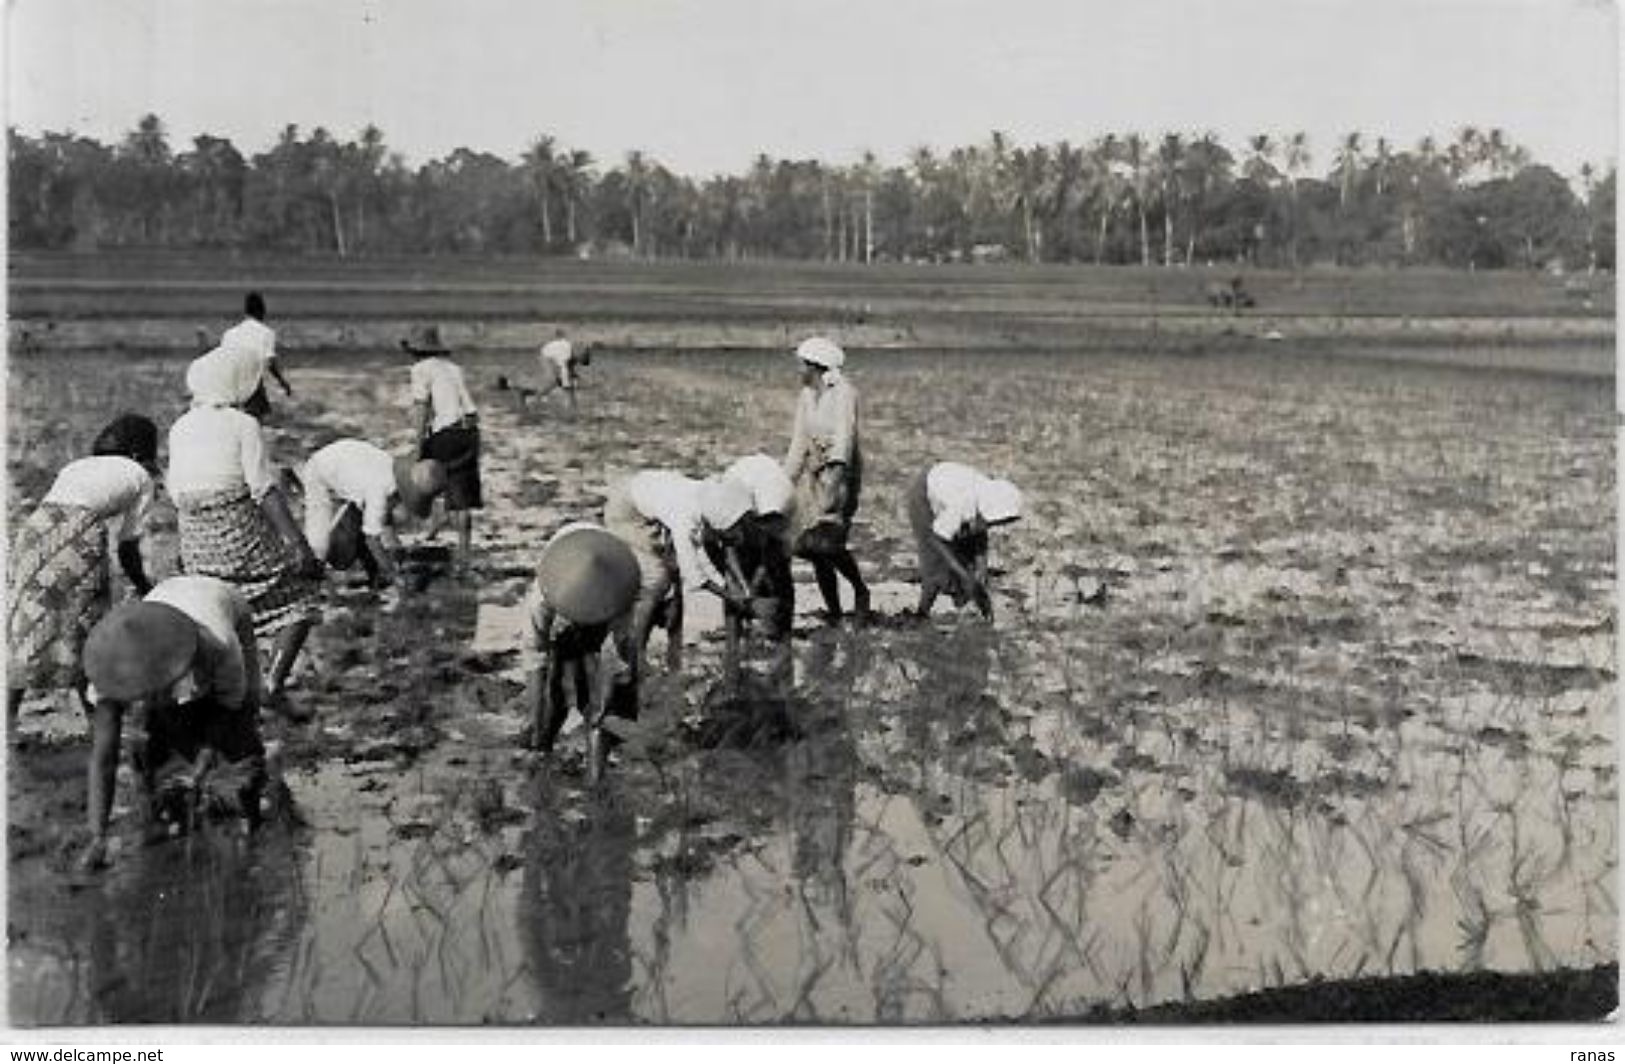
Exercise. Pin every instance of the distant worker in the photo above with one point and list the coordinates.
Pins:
(57, 571)
(252, 334)
(825, 463)
(666, 519)
(182, 662)
(355, 496)
(562, 362)
(448, 431)
(950, 508)
(580, 613)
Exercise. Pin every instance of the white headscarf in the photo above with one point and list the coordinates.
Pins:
(824, 353)
(225, 376)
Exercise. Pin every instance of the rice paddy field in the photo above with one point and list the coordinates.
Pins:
(1301, 680)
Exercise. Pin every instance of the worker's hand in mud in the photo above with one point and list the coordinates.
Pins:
(94, 859)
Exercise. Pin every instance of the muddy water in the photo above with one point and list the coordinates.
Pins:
(1221, 737)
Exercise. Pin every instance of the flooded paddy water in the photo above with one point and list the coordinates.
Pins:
(1300, 669)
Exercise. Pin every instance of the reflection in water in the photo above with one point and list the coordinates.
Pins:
(573, 910)
(185, 932)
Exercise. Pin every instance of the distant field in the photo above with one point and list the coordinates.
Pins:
(191, 286)
(172, 304)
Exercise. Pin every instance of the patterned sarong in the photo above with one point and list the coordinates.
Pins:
(57, 589)
(225, 534)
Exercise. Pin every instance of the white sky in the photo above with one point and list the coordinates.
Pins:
(705, 84)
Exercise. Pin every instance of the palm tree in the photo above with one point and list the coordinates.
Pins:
(574, 174)
(637, 180)
(865, 173)
(1138, 166)
(1348, 169)
(1381, 160)
(1031, 178)
(540, 165)
(1260, 165)
(1104, 158)
(1170, 157)
(1204, 167)
(1297, 159)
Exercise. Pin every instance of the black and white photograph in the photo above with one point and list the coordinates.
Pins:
(811, 514)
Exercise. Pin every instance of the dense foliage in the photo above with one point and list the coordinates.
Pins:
(1478, 201)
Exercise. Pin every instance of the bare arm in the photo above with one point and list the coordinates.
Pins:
(275, 367)
(383, 548)
(107, 731)
(945, 552)
(420, 415)
(129, 559)
(275, 506)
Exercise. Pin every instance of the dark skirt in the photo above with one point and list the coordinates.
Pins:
(934, 571)
(457, 447)
(57, 588)
(225, 534)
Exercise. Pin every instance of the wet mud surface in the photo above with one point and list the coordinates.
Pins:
(1300, 672)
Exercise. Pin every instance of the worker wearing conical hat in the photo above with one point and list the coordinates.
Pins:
(586, 585)
(183, 665)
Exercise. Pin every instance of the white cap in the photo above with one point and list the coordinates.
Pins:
(723, 502)
(821, 351)
(998, 500)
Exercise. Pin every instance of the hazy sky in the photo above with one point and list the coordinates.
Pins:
(704, 85)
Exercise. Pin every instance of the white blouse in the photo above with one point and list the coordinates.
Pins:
(108, 485)
(951, 487)
(212, 448)
(674, 500)
(355, 471)
(439, 382)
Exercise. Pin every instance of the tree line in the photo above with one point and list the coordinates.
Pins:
(1475, 200)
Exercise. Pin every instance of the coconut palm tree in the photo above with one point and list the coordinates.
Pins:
(1170, 157)
(1204, 167)
(1136, 166)
(1296, 158)
(1108, 190)
(540, 164)
(1348, 169)
(573, 173)
(1260, 165)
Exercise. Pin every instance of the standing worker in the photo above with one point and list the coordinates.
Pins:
(252, 334)
(448, 430)
(57, 571)
(825, 463)
(950, 508)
